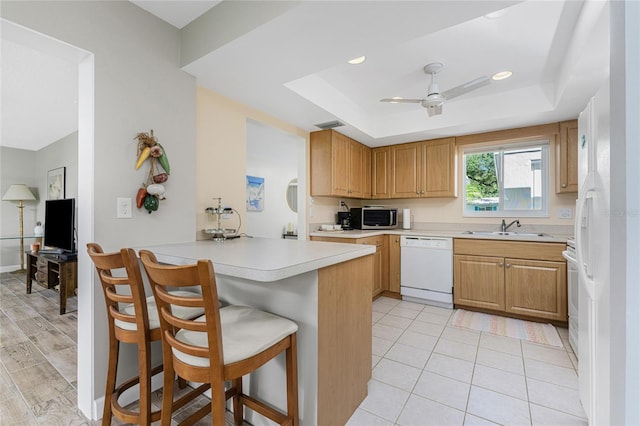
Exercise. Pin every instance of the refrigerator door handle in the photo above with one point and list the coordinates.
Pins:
(585, 277)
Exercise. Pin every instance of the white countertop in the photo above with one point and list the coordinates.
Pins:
(260, 259)
(357, 233)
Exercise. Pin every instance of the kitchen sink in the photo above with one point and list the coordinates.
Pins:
(512, 234)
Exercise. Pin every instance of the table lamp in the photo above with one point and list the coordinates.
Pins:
(20, 193)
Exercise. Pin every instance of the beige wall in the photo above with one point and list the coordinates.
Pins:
(221, 144)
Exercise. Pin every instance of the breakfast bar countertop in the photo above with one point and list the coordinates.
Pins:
(260, 259)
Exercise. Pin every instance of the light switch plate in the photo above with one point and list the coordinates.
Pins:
(123, 208)
(565, 212)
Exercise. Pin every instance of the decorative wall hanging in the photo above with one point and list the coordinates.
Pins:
(255, 194)
(152, 191)
(56, 183)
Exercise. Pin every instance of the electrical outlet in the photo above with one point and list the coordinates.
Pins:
(123, 206)
(340, 203)
(565, 213)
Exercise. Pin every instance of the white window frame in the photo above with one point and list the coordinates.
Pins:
(544, 144)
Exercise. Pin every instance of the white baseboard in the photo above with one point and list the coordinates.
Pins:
(9, 268)
(131, 395)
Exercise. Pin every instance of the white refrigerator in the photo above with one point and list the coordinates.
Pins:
(592, 252)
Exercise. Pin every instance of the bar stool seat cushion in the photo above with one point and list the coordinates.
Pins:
(152, 311)
(245, 333)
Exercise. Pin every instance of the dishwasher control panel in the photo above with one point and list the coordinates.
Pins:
(427, 242)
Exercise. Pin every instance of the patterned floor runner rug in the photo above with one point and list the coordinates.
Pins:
(532, 331)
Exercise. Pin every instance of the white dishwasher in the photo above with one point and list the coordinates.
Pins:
(426, 270)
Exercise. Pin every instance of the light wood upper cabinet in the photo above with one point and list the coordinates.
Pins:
(340, 166)
(521, 278)
(439, 173)
(406, 164)
(381, 172)
(567, 158)
(423, 169)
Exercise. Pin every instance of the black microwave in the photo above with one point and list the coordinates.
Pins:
(374, 218)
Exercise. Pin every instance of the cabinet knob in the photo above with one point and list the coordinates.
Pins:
(508, 265)
(564, 185)
(500, 264)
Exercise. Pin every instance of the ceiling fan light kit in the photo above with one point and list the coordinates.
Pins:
(435, 100)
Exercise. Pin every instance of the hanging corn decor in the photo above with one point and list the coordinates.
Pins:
(151, 191)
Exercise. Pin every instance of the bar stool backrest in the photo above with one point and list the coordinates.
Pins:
(201, 275)
(122, 291)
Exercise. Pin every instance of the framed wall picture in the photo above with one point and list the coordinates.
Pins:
(255, 194)
(56, 183)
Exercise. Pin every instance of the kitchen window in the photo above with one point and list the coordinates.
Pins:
(508, 180)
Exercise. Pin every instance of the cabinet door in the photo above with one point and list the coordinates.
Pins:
(377, 272)
(381, 172)
(439, 168)
(478, 281)
(394, 263)
(567, 158)
(367, 172)
(340, 164)
(405, 160)
(536, 288)
(384, 260)
(359, 170)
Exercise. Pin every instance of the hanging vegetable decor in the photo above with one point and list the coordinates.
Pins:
(152, 191)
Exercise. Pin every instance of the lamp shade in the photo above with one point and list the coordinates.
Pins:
(18, 192)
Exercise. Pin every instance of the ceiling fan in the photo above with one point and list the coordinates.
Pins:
(435, 100)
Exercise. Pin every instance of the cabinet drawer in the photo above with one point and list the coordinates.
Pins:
(513, 249)
(377, 240)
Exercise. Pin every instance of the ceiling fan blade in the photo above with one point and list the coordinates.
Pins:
(434, 110)
(401, 101)
(467, 87)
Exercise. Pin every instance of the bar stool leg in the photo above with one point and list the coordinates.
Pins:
(292, 379)
(112, 373)
(144, 364)
(238, 407)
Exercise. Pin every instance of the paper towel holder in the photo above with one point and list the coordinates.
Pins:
(406, 219)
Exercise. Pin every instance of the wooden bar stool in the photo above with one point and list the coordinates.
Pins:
(132, 318)
(224, 344)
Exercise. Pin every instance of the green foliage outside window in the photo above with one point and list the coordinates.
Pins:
(481, 175)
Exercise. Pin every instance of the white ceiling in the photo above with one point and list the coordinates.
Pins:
(294, 66)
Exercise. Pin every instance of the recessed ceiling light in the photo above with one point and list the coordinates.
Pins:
(502, 75)
(358, 60)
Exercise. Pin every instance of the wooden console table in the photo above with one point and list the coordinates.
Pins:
(51, 272)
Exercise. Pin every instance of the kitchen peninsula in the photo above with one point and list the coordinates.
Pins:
(325, 288)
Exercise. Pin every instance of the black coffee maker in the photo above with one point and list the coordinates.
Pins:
(344, 219)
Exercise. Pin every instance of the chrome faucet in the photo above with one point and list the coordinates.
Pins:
(504, 226)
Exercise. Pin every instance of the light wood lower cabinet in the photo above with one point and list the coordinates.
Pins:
(381, 258)
(479, 282)
(536, 288)
(520, 278)
(394, 263)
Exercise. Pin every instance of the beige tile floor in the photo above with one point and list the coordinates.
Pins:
(423, 371)
(428, 373)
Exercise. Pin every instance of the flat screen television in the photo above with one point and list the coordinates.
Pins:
(59, 225)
